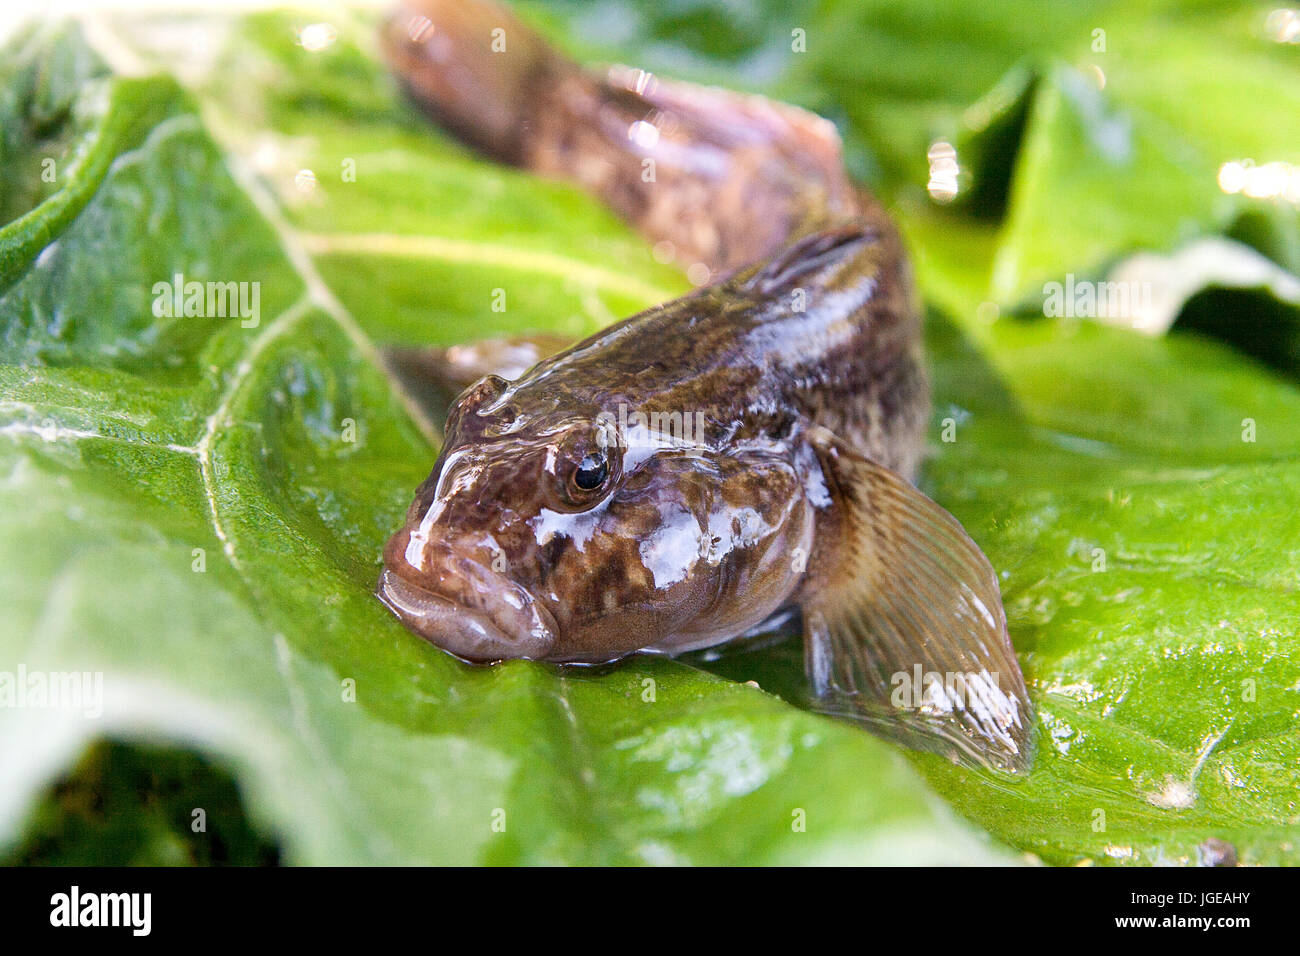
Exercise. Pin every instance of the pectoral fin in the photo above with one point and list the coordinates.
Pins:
(903, 623)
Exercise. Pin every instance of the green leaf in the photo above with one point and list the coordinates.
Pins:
(183, 516)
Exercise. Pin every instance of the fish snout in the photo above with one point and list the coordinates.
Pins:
(466, 608)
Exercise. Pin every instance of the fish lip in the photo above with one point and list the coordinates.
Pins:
(461, 631)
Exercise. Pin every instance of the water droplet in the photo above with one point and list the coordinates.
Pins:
(317, 36)
(419, 29)
(1283, 26)
(1232, 176)
(943, 171)
(643, 134)
(698, 273)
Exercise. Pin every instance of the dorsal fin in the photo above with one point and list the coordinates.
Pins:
(813, 260)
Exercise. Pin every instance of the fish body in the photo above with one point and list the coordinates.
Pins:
(746, 451)
(703, 409)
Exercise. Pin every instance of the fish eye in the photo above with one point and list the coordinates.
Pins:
(584, 466)
(591, 472)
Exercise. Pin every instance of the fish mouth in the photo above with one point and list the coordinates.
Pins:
(470, 634)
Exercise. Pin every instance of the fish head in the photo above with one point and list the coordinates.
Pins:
(571, 536)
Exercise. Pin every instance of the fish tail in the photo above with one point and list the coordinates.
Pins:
(720, 179)
(475, 69)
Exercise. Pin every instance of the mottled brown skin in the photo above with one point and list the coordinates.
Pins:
(759, 375)
(557, 525)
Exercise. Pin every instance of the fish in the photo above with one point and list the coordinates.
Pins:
(742, 455)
